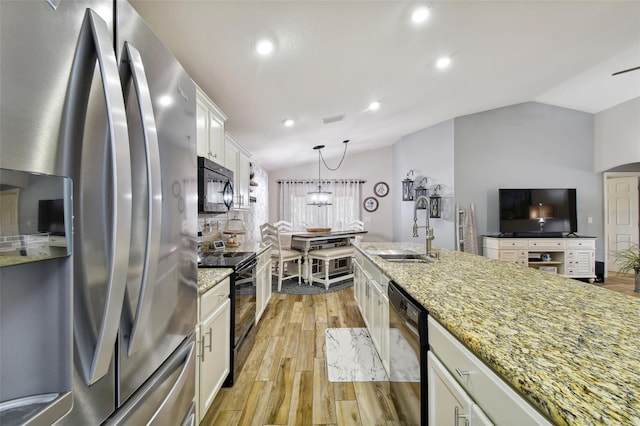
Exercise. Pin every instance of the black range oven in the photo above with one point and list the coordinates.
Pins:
(243, 303)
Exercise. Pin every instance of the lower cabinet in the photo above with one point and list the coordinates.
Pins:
(449, 404)
(214, 344)
(463, 391)
(370, 290)
(263, 282)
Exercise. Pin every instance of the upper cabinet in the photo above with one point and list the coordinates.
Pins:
(210, 124)
(237, 159)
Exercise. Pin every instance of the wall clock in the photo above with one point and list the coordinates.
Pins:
(370, 204)
(381, 189)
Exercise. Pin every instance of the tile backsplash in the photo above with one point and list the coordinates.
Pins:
(212, 226)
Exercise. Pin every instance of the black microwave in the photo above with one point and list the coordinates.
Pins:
(215, 187)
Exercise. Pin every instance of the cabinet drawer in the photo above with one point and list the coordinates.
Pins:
(515, 244)
(214, 297)
(501, 403)
(547, 244)
(581, 244)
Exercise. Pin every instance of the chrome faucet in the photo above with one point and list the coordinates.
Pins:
(428, 230)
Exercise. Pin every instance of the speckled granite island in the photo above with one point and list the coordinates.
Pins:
(571, 349)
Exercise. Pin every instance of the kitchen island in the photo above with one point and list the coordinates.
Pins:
(571, 349)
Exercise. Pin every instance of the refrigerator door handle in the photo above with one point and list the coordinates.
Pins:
(95, 41)
(132, 68)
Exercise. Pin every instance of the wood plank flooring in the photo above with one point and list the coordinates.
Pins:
(285, 382)
(621, 283)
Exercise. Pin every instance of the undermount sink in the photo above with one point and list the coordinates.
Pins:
(405, 258)
(400, 256)
(391, 252)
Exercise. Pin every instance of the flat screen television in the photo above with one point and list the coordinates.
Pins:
(538, 212)
(51, 216)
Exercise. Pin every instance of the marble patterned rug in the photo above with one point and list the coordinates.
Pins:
(352, 357)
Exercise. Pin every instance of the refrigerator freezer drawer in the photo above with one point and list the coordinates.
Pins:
(167, 398)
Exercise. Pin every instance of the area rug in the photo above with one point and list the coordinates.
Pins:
(352, 357)
(291, 286)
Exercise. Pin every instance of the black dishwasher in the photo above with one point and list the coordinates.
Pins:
(408, 344)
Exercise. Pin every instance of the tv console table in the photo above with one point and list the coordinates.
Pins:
(569, 257)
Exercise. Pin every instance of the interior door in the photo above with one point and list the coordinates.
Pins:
(622, 215)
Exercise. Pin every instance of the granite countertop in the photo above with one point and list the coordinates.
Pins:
(209, 277)
(570, 348)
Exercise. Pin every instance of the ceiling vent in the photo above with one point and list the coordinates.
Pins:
(333, 119)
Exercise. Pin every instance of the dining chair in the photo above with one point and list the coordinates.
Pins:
(356, 225)
(286, 230)
(281, 256)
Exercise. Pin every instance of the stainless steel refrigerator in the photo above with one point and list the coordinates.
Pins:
(88, 92)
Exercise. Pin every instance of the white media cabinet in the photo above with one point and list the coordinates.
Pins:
(572, 257)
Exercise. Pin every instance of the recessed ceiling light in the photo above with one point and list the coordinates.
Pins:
(443, 62)
(264, 47)
(374, 105)
(288, 122)
(420, 14)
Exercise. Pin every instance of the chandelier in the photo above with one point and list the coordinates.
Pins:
(319, 197)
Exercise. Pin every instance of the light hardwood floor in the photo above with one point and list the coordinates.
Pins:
(285, 382)
(621, 283)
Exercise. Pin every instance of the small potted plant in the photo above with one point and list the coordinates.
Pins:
(629, 260)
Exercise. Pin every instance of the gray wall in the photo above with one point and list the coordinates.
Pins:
(429, 152)
(371, 166)
(529, 145)
(617, 136)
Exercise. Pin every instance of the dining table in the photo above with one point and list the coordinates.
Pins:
(307, 241)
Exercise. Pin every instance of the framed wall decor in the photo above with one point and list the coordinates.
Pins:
(370, 204)
(381, 189)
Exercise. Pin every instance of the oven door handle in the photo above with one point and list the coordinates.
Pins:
(252, 264)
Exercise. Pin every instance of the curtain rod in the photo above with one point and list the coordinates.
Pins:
(281, 181)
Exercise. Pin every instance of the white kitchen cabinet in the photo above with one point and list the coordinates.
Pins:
(570, 257)
(380, 322)
(237, 160)
(448, 403)
(243, 183)
(458, 378)
(370, 289)
(213, 334)
(263, 282)
(210, 128)
(358, 279)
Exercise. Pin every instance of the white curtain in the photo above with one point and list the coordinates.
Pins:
(344, 208)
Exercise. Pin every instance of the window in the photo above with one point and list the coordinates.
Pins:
(344, 208)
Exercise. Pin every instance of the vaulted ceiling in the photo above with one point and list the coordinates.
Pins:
(332, 58)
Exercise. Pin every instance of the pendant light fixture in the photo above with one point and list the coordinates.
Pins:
(319, 197)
